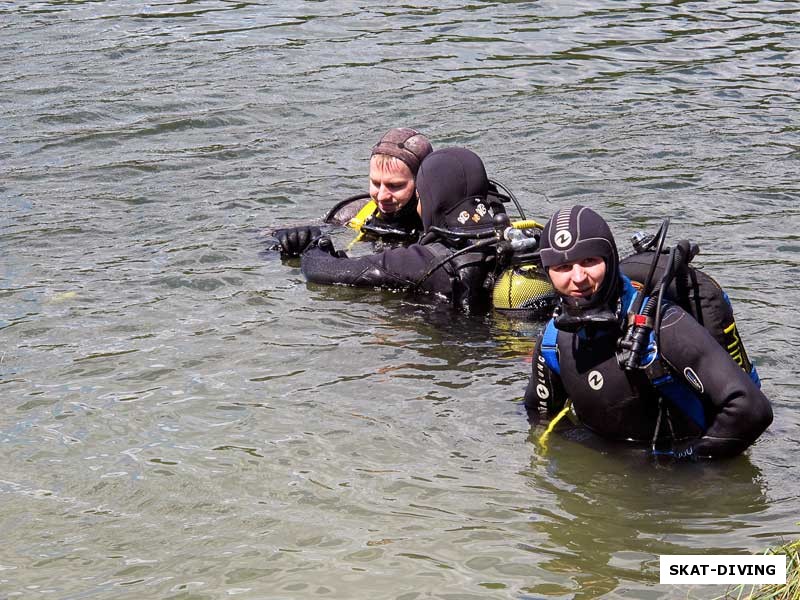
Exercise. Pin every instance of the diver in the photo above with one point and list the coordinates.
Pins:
(387, 216)
(652, 375)
(456, 253)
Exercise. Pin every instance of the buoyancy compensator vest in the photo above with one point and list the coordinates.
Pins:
(697, 293)
(468, 273)
(691, 289)
(680, 283)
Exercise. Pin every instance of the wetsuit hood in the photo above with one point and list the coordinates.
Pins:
(574, 234)
(407, 144)
(452, 185)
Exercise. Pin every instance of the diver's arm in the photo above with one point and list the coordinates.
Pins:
(319, 266)
(738, 412)
(396, 268)
(545, 390)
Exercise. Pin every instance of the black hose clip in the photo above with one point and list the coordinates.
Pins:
(634, 345)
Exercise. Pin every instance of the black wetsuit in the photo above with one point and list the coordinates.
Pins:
(390, 230)
(453, 187)
(401, 228)
(623, 405)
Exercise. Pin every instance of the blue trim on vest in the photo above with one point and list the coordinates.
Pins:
(754, 375)
(550, 346)
(674, 390)
(682, 397)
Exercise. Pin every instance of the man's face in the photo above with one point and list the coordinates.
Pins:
(578, 279)
(391, 184)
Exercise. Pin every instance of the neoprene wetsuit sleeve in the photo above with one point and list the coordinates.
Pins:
(545, 390)
(396, 268)
(737, 411)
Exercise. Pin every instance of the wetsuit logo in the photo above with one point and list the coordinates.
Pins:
(693, 379)
(541, 389)
(563, 238)
(735, 347)
(595, 380)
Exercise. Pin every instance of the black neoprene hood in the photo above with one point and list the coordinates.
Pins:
(452, 186)
(575, 233)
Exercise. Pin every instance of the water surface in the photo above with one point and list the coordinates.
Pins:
(184, 417)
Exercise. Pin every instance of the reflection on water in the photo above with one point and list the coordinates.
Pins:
(616, 511)
(183, 417)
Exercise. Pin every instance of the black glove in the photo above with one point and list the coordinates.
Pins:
(293, 240)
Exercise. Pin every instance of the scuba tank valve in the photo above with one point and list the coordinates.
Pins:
(518, 241)
(512, 237)
(641, 241)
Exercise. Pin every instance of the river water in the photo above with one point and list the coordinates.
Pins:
(184, 417)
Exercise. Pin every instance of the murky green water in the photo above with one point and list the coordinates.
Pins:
(183, 417)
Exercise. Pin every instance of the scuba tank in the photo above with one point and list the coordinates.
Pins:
(692, 289)
(520, 287)
(523, 291)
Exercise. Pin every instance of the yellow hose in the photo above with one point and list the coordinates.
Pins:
(552, 425)
(361, 217)
(358, 221)
(527, 224)
(352, 243)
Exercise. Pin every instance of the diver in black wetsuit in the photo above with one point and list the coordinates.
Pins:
(452, 187)
(579, 360)
(387, 216)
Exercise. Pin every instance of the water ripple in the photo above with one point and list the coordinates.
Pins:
(184, 416)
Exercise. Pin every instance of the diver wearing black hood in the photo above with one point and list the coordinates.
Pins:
(387, 215)
(452, 186)
(571, 236)
(578, 361)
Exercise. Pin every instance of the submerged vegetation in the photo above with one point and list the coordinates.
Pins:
(786, 591)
